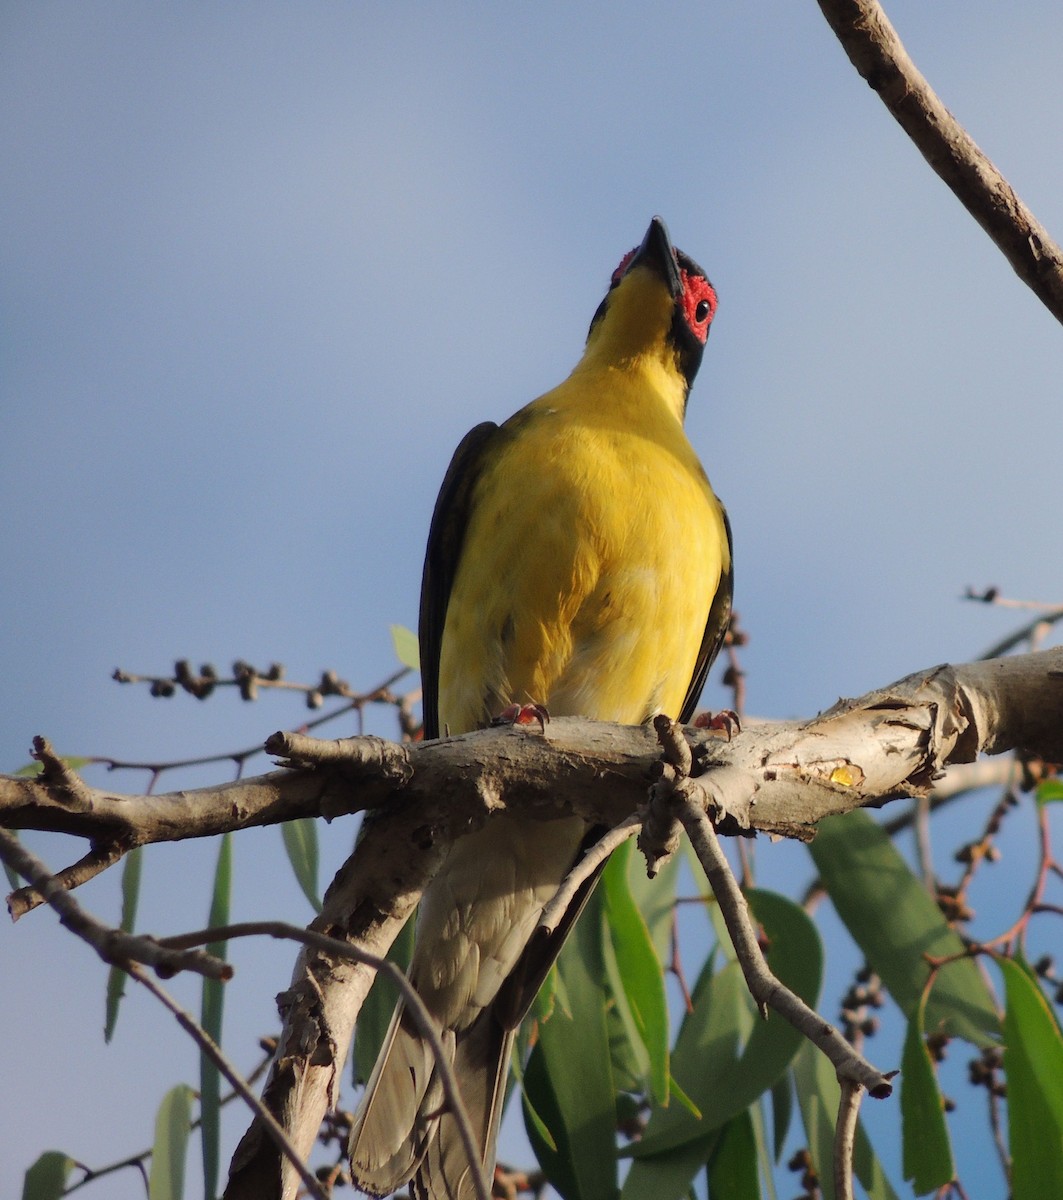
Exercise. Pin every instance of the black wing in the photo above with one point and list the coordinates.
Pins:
(445, 538)
(715, 629)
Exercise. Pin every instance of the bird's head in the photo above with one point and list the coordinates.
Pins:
(660, 304)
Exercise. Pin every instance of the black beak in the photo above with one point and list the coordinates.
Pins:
(657, 253)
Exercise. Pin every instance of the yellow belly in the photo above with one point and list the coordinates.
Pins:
(592, 554)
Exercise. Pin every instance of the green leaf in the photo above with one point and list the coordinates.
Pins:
(733, 1166)
(375, 1016)
(927, 1152)
(300, 841)
(817, 1091)
(172, 1123)
(1050, 791)
(726, 1084)
(757, 1114)
(895, 922)
(407, 651)
(213, 1003)
(818, 1094)
(46, 1179)
(641, 978)
(782, 1112)
(568, 1080)
(1033, 1067)
(679, 1095)
(517, 1062)
(627, 1050)
(676, 1145)
(655, 899)
(669, 1176)
(116, 977)
(546, 997)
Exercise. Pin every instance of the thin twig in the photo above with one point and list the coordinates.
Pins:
(99, 858)
(137, 1160)
(675, 964)
(763, 986)
(114, 946)
(585, 868)
(134, 1162)
(1013, 939)
(210, 1048)
(1025, 634)
(380, 694)
(876, 51)
(413, 1002)
(845, 1138)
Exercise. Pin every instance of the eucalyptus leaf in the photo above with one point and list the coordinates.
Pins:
(212, 1009)
(655, 899)
(1050, 791)
(676, 1145)
(732, 1170)
(378, 1007)
(639, 973)
(46, 1179)
(116, 977)
(927, 1152)
(720, 1080)
(568, 1080)
(1033, 1067)
(300, 842)
(782, 1111)
(407, 650)
(897, 924)
(172, 1124)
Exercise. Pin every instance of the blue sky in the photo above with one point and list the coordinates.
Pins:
(262, 265)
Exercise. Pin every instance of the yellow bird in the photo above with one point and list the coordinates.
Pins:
(578, 559)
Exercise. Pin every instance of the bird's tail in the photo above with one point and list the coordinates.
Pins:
(404, 1130)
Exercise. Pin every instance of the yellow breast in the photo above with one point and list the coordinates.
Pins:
(593, 551)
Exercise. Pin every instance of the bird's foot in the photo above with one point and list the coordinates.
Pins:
(522, 714)
(726, 721)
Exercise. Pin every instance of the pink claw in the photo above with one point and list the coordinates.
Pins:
(726, 720)
(522, 714)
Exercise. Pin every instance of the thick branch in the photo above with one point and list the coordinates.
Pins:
(781, 778)
(876, 51)
(210, 1048)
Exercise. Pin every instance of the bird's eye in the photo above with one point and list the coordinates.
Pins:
(701, 313)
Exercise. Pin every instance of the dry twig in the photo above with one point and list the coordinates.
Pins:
(876, 51)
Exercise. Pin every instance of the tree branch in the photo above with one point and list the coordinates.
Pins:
(780, 778)
(99, 858)
(114, 946)
(876, 51)
(766, 990)
(784, 778)
(210, 1048)
(845, 1138)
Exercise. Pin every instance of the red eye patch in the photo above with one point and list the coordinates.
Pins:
(699, 303)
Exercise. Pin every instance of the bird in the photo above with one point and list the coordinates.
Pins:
(578, 564)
